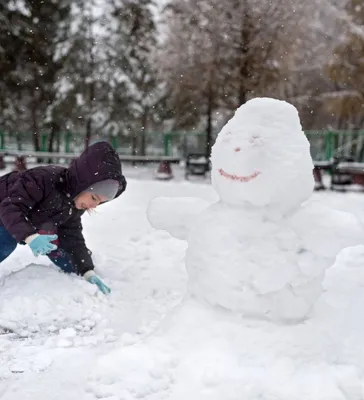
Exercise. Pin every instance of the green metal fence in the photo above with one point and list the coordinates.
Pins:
(63, 141)
(324, 144)
(327, 144)
(156, 143)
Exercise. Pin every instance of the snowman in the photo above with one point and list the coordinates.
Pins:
(262, 249)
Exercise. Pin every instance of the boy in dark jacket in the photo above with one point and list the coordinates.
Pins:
(42, 207)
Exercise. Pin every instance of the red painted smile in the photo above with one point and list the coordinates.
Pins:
(247, 178)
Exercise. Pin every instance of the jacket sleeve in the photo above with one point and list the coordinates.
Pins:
(24, 194)
(72, 241)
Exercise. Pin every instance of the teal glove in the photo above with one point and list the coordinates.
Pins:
(42, 245)
(95, 280)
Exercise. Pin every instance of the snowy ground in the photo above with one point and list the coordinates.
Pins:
(67, 341)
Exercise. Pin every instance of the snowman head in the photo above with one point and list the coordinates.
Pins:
(262, 158)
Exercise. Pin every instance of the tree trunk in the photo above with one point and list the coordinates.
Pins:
(52, 136)
(242, 98)
(88, 132)
(143, 132)
(90, 73)
(58, 142)
(210, 101)
(89, 119)
(134, 145)
(243, 63)
(341, 122)
(35, 127)
(243, 70)
(18, 141)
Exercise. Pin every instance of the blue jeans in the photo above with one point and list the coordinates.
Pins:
(59, 257)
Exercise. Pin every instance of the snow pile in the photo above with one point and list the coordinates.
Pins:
(68, 307)
(201, 353)
(40, 303)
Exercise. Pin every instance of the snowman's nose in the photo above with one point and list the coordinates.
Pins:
(237, 149)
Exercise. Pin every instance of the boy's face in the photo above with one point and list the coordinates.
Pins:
(89, 200)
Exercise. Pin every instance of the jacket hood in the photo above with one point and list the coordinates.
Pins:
(98, 162)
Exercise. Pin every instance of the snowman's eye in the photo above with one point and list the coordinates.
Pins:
(255, 140)
(227, 137)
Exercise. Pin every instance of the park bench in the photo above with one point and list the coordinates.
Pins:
(344, 172)
(20, 160)
(197, 164)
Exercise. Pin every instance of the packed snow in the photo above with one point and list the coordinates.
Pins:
(54, 355)
(220, 295)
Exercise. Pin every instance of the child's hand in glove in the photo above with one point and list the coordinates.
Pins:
(91, 277)
(41, 244)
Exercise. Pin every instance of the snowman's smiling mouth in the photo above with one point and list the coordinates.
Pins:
(246, 178)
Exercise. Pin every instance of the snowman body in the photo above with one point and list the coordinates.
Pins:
(255, 264)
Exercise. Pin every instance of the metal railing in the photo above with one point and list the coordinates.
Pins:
(325, 144)
(70, 156)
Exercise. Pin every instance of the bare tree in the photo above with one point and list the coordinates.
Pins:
(346, 68)
(219, 54)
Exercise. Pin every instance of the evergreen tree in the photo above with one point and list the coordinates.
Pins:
(30, 33)
(136, 85)
(83, 81)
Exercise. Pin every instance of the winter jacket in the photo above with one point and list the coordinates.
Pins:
(41, 198)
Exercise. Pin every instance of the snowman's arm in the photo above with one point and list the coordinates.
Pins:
(326, 231)
(175, 215)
